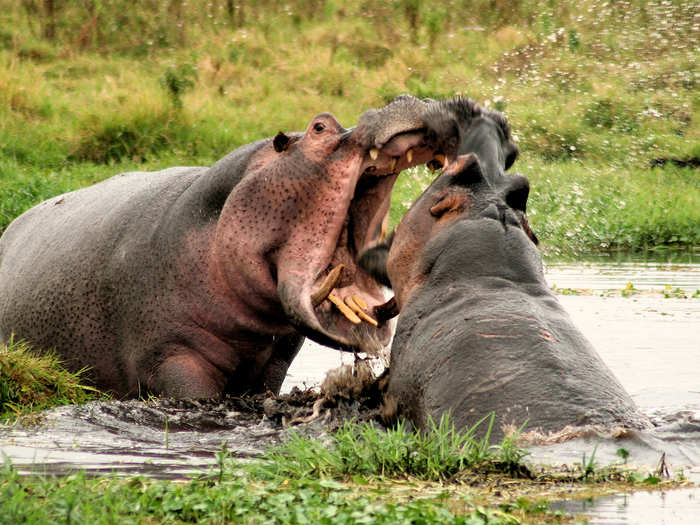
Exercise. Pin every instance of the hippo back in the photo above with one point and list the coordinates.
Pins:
(485, 334)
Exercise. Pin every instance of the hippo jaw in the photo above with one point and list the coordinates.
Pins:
(335, 302)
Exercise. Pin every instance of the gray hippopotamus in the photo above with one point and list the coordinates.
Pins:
(195, 281)
(479, 329)
(458, 126)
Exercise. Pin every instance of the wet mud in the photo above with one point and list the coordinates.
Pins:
(169, 438)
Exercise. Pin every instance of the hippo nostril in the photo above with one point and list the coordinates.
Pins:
(491, 212)
(511, 219)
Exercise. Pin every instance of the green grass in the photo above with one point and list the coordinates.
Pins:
(438, 454)
(596, 92)
(236, 498)
(30, 381)
(441, 476)
(584, 206)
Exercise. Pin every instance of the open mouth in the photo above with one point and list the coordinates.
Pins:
(345, 299)
(325, 294)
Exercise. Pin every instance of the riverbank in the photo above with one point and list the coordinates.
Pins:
(606, 116)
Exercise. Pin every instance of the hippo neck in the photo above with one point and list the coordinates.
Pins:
(282, 221)
(191, 225)
(207, 195)
(483, 137)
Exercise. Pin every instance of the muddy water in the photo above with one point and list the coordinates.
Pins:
(649, 341)
(674, 507)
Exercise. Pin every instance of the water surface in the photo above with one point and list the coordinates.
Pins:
(672, 507)
(648, 340)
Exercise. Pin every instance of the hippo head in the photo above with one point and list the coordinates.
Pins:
(454, 128)
(317, 200)
(460, 126)
(461, 193)
(329, 297)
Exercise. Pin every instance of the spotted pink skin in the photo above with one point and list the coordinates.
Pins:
(278, 234)
(192, 282)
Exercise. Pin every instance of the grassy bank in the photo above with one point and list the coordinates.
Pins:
(30, 382)
(602, 96)
(360, 475)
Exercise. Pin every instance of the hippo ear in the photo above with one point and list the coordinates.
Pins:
(455, 201)
(511, 152)
(517, 191)
(280, 142)
(470, 171)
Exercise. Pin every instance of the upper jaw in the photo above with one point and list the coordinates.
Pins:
(401, 152)
(345, 308)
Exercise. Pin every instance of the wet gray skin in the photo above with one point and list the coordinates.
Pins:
(479, 330)
(194, 281)
(458, 126)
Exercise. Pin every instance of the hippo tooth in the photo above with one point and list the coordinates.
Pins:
(359, 301)
(374, 153)
(394, 161)
(327, 286)
(434, 165)
(367, 318)
(347, 312)
(358, 311)
(441, 159)
(409, 155)
(386, 311)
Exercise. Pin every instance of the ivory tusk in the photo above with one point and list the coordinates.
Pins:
(344, 309)
(359, 301)
(358, 311)
(327, 286)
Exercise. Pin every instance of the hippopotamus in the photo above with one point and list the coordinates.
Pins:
(458, 126)
(200, 281)
(479, 331)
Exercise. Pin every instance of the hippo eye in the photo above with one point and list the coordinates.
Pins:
(318, 127)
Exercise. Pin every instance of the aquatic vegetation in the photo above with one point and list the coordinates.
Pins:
(32, 381)
(675, 293)
(367, 450)
(628, 290)
(237, 498)
(566, 291)
(275, 491)
(623, 453)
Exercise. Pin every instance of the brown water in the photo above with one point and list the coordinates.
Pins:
(673, 507)
(651, 342)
